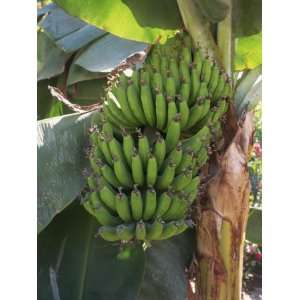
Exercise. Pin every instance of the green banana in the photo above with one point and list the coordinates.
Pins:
(136, 203)
(140, 231)
(152, 170)
(123, 207)
(159, 150)
(125, 232)
(195, 85)
(122, 173)
(108, 233)
(175, 156)
(182, 180)
(184, 71)
(170, 86)
(135, 103)
(177, 209)
(108, 197)
(173, 133)
(104, 217)
(143, 148)
(203, 90)
(193, 185)
(87, 205)
(186, 161)
(109, 175)
(220, 86)
(128, 147)
(174, 70)
(145, 76)
(157, 82)
(212, 85)
(172, 110)
(147, 104)
(137, 169)
(184, 111)
(154, 230)
(161, 110)
(116, 150)
(121, 95)
(155, 61)
(135, 78)
(181, 226)
(163, 204)
(92, 182)
(206, 70)
(185, 91)
(104, 147)
(169, 230)
(167, 176)
(150, 204)
(186, 55)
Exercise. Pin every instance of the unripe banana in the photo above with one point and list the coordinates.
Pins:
(170, 86)
(159, 150)
(87, 205)
(175, 156)
(137, 169)
(123, 207)
(219, 112)
(195, 85)
(154, 230)
(116, 150)
(150, 204)
(164, 66)
(122, 173)
(184, 71)
(140, 231)
(145, 75)
(128, 147)
(220, 86)
(143, 148)
(198, 61)
(161, 110)
(157, 82)
(94, 136)
(206, 70)
(193, 185)
(92, 182)
(109, 175)
(108, 233)
(136, 80)
(94, 165)
(122, 80)
(107, 129)
(175, 72)
(169, 230)
(147, 104)
(125, 232)
(155, 60)
(212, 85)
(167, 176)
(182, 180)
(176, 210)
(186, 161)
(197, 112)
(104, 217)
(172, 110)
(103, 144)
(186, 55)
(114, 115)
(108, 197)
(136, 203)
(120, 94)
(163, 204)
(195, 142)
(185, 91)
(181, 226)
(173, 134)
(184, 111)
(152, 170)
(135, 103)
(203, 90)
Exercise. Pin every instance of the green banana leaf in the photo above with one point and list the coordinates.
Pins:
(254, 226)
(74, 264)
(166, 261)
(143, 21)
(213, 10)
(244, 87)
(61, 159)
(50, 59)
(248, 52)
(246, 17)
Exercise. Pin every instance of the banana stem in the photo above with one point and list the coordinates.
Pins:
(226, 40)
(198, 27)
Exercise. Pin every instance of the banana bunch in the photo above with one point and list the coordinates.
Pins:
(154, 137)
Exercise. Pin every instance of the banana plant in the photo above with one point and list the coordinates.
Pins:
(79, 46)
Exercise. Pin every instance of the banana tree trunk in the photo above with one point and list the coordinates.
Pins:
(222, 221)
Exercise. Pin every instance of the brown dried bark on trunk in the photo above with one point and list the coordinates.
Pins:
(221, 220)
